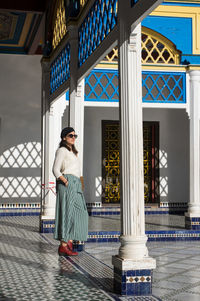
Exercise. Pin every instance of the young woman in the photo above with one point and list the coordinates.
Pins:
(71, 220)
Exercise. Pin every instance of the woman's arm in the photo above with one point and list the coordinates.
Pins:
(60, 154)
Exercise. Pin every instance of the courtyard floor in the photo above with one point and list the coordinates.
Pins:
(30, 268)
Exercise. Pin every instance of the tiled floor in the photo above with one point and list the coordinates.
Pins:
(153, 222)
(30, 268)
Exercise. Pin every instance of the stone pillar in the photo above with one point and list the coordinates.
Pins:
(132, 266)
(192, 217)
(76, 117)
(51, 128)
(76, 94)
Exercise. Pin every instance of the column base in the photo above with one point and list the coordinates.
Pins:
(78, 246)
(192, 222)
(133, 278)
(47, 224)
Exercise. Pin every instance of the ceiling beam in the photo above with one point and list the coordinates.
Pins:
(36, 6)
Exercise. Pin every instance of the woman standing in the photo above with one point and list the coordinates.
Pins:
(71, 220)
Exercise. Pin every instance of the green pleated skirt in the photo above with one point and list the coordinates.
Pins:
(71, 220)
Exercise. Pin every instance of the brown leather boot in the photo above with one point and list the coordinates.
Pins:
(65, 251)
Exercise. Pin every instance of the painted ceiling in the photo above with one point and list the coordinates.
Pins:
(21, 29)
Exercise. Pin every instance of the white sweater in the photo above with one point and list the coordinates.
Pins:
(66, 162)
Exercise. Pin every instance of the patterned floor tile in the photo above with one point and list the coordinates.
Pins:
(30, 268)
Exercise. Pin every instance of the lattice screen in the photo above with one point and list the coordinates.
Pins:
(102, 85)
(164, 87)
(154, 51)
(99, 22)
(59, 29)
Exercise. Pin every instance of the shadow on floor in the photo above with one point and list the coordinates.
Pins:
(20, 226)
(28, 244)
(4, 298)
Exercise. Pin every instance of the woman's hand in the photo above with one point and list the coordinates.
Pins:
(63, 180)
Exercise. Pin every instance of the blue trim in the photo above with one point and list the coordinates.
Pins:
(67, 95)
(178, 30)
(188, 59)
(180, 4)
(20, 213)
(179, 79)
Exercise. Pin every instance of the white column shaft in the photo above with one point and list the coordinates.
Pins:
(51, 129)
(77, 117)
(194, 205)
(133, 239)
(76, 95)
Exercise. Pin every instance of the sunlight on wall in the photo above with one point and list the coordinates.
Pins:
(23, 156)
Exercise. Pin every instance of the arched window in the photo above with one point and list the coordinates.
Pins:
(156, 49)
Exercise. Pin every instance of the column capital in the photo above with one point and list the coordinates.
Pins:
(194, 73)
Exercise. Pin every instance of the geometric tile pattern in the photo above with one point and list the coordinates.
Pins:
(133, 282)
(158, 228)
(99, 22)
(100, 272)
(192, 223)
(177, 275)
(137, 279)
(30, 268)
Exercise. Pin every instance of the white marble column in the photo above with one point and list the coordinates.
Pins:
(76, 95)
(133, 253)
(76, 117)
(51, 129)
(194, 104)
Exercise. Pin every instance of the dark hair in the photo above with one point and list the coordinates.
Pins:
(63, 143)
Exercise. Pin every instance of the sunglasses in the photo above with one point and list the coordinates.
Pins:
(72, 136)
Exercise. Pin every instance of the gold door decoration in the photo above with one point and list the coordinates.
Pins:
(111, 161)
(147, 143)
(111, 183)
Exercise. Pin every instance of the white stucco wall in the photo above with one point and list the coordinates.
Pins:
(174, 151)
(92, 163)
(20, 128)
